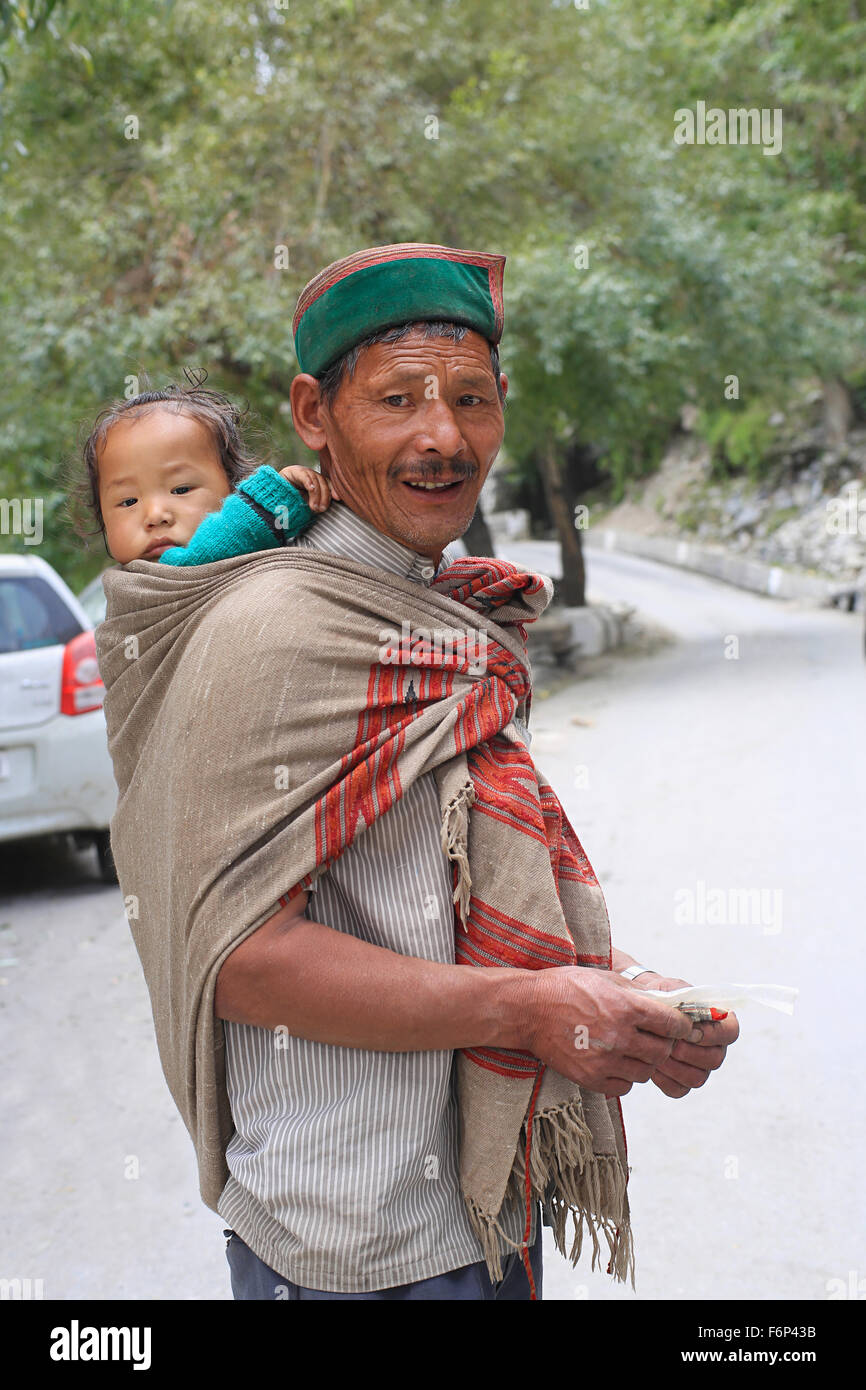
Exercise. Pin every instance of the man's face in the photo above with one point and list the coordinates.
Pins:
(417, 412)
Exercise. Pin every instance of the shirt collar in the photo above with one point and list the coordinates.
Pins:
(341, 532)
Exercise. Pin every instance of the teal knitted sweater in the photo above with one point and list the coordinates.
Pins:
(264, 511)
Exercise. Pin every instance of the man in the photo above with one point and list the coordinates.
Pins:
(384, 1098)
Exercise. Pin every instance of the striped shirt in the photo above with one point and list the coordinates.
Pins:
(344, 1172)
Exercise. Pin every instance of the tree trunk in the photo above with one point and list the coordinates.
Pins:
(838, 411)
(572, 587)
(477, 539)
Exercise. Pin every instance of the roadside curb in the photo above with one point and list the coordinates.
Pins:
(754, 575)
(571, 633)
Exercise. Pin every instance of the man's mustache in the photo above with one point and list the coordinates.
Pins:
(427, 471)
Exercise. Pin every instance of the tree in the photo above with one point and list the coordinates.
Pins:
(173, 174)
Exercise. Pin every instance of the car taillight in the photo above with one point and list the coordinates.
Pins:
(81, 687)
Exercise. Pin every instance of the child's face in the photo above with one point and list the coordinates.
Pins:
(159, 476)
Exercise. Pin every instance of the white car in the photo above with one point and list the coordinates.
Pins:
(55, 770)
(93, 601)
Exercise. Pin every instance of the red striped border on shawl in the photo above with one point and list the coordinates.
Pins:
(502, 772)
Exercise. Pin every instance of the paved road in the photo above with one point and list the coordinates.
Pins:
(743, 773)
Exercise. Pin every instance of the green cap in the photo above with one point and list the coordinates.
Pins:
(389, 285)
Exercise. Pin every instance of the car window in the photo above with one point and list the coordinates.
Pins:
(93, 601)
(32, 614)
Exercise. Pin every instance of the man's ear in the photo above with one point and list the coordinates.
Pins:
(306, 404)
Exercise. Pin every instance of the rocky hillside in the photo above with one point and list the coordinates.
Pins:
(809, 514)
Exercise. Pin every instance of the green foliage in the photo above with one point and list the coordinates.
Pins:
(21, 17)
(780, 516)
(154, 157)
(739, 437)
(689, 518)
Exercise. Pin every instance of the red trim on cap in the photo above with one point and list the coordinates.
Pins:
(403, 251)
(495, 274)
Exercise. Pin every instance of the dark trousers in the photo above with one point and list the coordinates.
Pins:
(252, 1278)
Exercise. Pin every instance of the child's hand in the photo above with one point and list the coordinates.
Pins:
(313, 483)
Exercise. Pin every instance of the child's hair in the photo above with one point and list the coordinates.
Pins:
(213, 409)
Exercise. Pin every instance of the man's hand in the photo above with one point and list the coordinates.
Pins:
(597, 1029)
(690, 1062)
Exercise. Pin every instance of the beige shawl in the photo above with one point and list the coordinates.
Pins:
(260, 711)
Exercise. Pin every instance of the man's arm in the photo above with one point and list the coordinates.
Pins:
(330, 987)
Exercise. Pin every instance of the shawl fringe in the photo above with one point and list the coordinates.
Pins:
(566, 1178)
(455, 839)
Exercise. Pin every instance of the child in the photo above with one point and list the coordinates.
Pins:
(160, 473)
